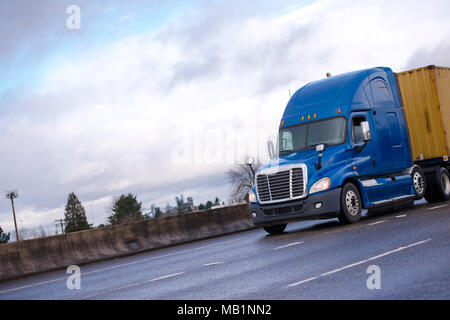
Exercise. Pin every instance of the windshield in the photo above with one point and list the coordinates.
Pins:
(305, 136)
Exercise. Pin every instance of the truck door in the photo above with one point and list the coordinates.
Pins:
(363, 157)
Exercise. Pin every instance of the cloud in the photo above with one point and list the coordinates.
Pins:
(437, 55)
(213, 84)
(32, 29)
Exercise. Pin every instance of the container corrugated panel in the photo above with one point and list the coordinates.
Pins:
(442, 76)
(426, 99)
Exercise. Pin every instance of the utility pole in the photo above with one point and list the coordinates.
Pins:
(12, 195)
(61, 223)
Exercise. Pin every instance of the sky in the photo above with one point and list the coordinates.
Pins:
(161, 98)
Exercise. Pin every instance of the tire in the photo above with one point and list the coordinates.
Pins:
(443, 185)
(430, 194)
(419, 182)
(439, 187)
(277, 229)
(351, 204)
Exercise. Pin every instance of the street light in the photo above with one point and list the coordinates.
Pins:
(12, 195)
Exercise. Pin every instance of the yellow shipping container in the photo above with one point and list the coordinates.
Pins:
(426, 99)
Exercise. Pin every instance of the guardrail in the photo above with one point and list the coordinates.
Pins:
(55, 252)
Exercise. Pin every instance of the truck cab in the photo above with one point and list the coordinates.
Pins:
(343, 146)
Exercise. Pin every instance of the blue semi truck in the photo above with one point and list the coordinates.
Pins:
(350, 142)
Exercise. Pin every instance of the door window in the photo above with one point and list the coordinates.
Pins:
(357, 136)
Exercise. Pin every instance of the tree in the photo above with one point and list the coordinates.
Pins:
(208, 205)
(75, 215)
(241, 179)
(180, 204)
(4, 238)
(158, 212)
(126, 209)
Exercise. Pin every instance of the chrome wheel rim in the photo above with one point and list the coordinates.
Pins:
(418, 182)
(352, 202)
(445, 182)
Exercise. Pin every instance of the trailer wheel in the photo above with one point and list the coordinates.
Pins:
(439, 189)
(351, 204)
(419, 182)
(276, 229)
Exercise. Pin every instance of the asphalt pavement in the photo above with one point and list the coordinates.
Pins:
(396, 255)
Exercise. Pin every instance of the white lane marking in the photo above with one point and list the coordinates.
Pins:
(288, 245)
(438, 207)
(135, 284)
(33, 285)
(119, 266)
(401, 216)
(359, 263)
(302, 282)
(212, 264)
(377, 222)
(161, 256)
(165, 277)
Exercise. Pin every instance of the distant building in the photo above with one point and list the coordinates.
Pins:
(153, 211)
(169, 209)
(187, 206)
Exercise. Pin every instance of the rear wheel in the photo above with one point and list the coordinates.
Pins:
(351, 204)
(439, 187)
(430, 194)
(277, 229)
(443, 185)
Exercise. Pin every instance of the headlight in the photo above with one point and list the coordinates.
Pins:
(251, 196)
(321, 185)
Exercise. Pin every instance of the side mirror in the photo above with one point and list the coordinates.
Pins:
(365, 128)
(249, 160)
(270, 149)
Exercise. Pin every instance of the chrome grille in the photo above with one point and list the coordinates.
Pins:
(281, 186)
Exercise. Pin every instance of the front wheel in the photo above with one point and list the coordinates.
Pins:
(419, 182)
(351, 204)
(277, 229)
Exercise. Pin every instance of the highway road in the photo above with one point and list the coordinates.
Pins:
(409, 251)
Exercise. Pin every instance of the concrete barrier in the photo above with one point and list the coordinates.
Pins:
(55, 252)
